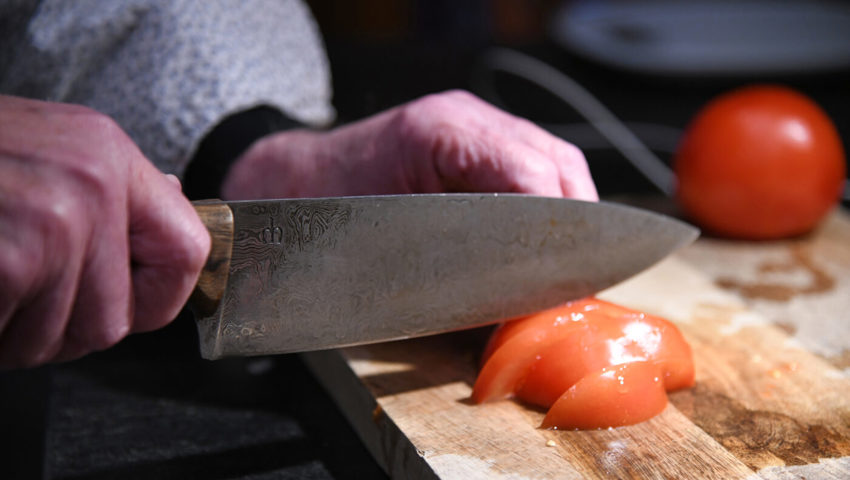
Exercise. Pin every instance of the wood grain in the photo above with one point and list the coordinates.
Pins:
(769, 324)
(218, 218)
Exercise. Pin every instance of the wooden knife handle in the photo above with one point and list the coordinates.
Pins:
(218, 218)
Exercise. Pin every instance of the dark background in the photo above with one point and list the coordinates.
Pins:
(385, 52)
(150, 408)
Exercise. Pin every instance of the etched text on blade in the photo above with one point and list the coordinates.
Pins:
(265, 236)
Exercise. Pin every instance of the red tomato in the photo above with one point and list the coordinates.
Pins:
(512, 348)
(542, 356)
(609, 340)
(507, 330)
(517, 348)
(622, 395)
(759, 163)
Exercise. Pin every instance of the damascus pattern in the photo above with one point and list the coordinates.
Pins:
(321, 273)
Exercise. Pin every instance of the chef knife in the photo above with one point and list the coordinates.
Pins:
(306, 274)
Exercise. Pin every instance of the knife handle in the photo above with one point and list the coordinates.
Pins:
(218, 218)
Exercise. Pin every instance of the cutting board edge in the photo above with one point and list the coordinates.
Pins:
(385, 441)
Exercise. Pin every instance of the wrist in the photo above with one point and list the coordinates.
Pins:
(224, 144)
(281, 165)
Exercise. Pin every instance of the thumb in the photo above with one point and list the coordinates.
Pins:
(168, 247)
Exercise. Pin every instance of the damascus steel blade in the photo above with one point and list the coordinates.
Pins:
(310, 274)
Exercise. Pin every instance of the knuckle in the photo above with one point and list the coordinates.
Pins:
(189, 243)
(571, 153)
(447, 145)
(108, 336)
(42, 355)
(195, 250)
(101, 166)
(28, 260)
(59, 223)
(97, 176)
(17, 272)
(86, 335)
(458, 95)
(426, 126)
(99, 123)
(443, 101)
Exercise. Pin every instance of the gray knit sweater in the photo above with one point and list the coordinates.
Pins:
(167, 70)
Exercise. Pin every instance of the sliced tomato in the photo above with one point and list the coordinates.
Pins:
(673, 354)
(515, 345)
(545, 319)
(611, 397)
(539, 321)
(560, 365)
(540, 357)
(608, 340)
(509, 363)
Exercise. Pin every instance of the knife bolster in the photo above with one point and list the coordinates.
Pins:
(218, 218)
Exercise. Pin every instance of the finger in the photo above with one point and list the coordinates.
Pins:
(174, 180)
(102, 311)
(574, 174)
(168, 247)
(478, 147)
(493, 165)
(485, 117)
(39, 267)
(35, 333)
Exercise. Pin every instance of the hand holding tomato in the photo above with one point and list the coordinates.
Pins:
(761, 162)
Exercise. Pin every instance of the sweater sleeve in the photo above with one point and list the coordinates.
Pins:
(170, 71)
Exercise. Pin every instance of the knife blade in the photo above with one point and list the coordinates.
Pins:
(306, 274)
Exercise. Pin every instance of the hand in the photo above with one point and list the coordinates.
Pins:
(95, 243)
(447, 142)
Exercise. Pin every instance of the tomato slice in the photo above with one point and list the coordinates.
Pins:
(560, 365)
(509, 363)
(542, 356)
(608, 340)
(544, 320)
(515, 345)
(611, 397)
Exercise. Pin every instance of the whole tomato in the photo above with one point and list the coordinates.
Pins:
(761, 162)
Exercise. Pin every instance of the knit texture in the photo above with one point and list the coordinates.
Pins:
(168, 71)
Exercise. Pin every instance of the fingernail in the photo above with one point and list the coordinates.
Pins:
(173, 179)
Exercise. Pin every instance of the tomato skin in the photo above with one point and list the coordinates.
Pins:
(760, 162)
(608, 340)
(544, 357)
(512, 348)
(621, 395)
(517, 348)
(544, 319)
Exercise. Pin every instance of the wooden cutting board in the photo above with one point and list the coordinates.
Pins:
(769, 324)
